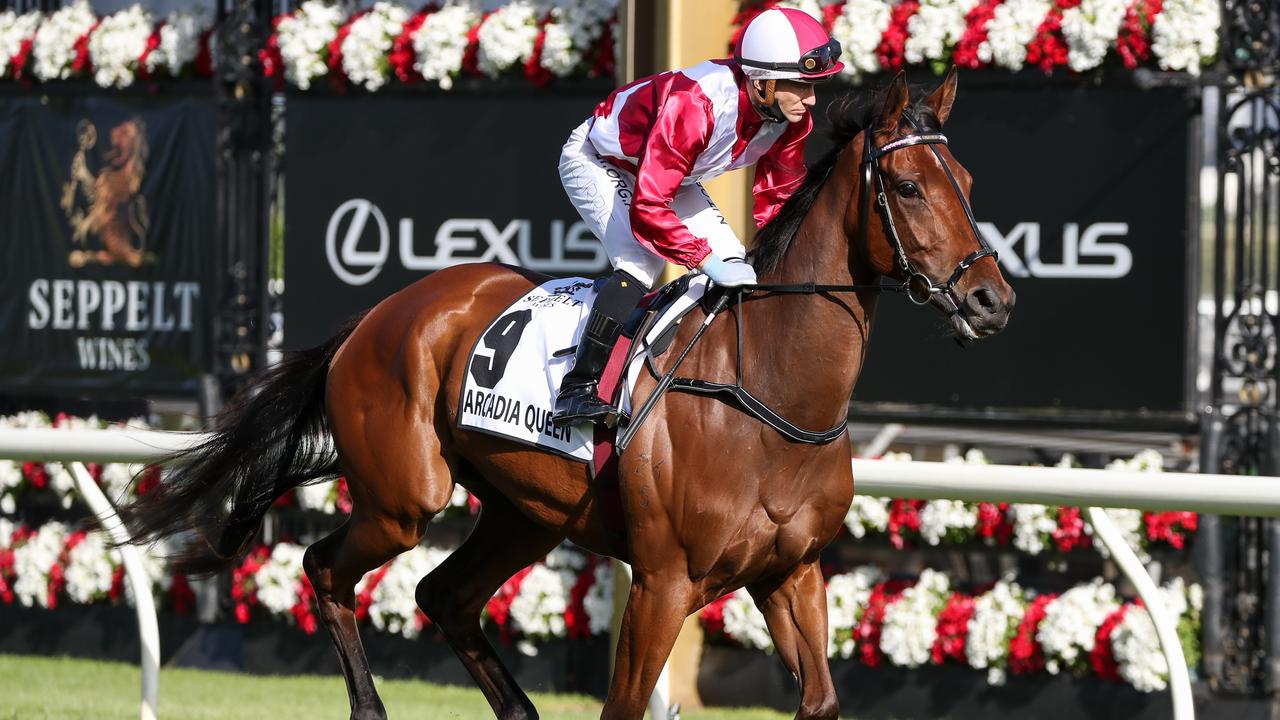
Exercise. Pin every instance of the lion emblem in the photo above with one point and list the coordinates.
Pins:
(108, 216)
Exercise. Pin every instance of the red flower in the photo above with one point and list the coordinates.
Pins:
(303, 610)
(150, 479)
(1134, 41)
(204, 59)
(1025, 654)
(1070, 531)
(953, 628)
(402, 54)
(965, 53)
(35, 474)
(499, 605)
(604, 63)
(1048, 48)
(470, 60)
(1103, 657)
(365, 599)
(244, 589)
(117, 584)
(344, 497)
(184, 598)
(533, 70)
(1170, 527)
(577, 621)
(337, 76)
(894, 40)
(80, 64)
(712, 617)
(994, 523)
(903, 513)
(19, 59)
(867, 633)
(153, 42)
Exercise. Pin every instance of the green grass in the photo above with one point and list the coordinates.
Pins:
(38, 688)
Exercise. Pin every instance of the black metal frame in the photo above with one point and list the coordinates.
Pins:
(1241, 420)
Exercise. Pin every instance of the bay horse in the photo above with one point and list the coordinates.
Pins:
(713, 499)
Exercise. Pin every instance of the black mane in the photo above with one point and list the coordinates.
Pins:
(847, 115)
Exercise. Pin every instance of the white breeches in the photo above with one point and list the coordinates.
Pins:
(602, 193)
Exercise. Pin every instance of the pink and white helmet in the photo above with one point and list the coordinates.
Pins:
(787, 44)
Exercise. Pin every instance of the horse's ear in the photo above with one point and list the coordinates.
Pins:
(944, 97)
(895, 103)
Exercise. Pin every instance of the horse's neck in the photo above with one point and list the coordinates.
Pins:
(817, 340)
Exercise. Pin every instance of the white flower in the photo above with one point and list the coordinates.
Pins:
(1071, 623)
(277, 580)
(89, 569)
(459, 497)
(1136, 645)
(6, 532)
(115, 46)
(1184, 35)
(14, 30)
(440, 42)
(394, 607)
(1090, 30)
(507, 37)
(598, 602)
(54, 46)
(847, 596)
(911, 623)
(117, 479)
(744, 623)
(867, 513)
(938, 517)
(304, 39)
(61, 482)
(321, 496)
(1129, 522)
(859, 27)
(1010, 30)
(33, 561)
(1032, 526)
(537, 612)
(574, 27)
(996, 614)
(935, 28)
(364, 50)
(179, 42)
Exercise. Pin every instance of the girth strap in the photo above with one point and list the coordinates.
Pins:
(762, 412)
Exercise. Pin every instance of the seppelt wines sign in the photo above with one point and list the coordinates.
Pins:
(108, 226)
(386, 190)
(1083, 191)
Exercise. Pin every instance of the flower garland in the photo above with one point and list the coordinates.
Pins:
(1029, 528)
(1006, 629)
(115, 50)
(884, 35)
(368, 39)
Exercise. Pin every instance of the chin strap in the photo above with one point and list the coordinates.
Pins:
(765, 103)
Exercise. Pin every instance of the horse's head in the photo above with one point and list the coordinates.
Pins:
(913, 217)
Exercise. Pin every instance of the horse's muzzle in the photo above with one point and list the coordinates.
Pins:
(986, 311)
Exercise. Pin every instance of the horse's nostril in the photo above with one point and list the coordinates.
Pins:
(984, 301)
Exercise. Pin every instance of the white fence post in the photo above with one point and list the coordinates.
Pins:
(139, 580)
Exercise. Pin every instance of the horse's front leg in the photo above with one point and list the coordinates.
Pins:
(795, 610)
(655, 612)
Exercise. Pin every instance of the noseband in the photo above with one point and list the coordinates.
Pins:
(917, 286)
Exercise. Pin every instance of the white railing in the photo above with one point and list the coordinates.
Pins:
(1091, 489)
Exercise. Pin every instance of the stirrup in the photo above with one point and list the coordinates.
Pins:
(580, 406)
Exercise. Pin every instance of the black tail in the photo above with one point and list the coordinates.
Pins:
(262, 446)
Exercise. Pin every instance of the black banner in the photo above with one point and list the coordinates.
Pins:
(1085, 194)
(108, 232)
(382, 191)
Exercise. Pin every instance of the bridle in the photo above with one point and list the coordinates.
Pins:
(917, 286)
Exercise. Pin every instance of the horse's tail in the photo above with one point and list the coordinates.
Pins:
(263, 444)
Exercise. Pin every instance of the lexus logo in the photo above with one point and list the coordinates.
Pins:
(353, 265)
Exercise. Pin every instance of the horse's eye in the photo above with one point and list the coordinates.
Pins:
(908, 189)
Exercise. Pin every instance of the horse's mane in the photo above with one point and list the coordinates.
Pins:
(848, 115)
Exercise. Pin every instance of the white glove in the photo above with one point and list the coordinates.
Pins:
(730, 273)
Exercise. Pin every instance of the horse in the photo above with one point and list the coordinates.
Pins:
(713, 499)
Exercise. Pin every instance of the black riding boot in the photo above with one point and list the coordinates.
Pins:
(578, 399)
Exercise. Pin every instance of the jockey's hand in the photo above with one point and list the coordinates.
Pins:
(728, 273)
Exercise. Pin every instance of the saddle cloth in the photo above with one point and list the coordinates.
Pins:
(514, 370)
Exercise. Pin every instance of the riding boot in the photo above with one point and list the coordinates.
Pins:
(579, 399)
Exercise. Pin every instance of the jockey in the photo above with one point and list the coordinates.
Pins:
(634, 171)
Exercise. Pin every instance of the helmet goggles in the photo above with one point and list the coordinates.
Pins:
(816, 62)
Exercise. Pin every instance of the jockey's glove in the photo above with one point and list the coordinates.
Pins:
(728, 273)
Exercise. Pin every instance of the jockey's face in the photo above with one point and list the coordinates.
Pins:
(794, 98)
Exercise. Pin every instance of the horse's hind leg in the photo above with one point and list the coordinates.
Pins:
(334, 565)
(655, 613)
(454, 594)
(795, 610)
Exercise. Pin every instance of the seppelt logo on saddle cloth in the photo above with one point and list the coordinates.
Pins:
(357, 244)
(107, 214)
